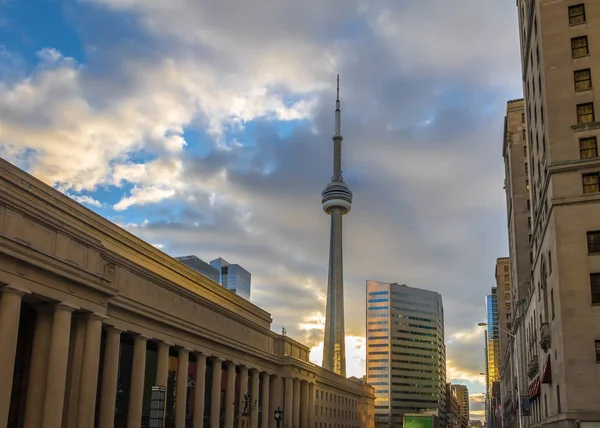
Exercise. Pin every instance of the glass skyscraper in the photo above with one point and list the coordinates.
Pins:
(233, 277)
(406, 355)
(492, 348)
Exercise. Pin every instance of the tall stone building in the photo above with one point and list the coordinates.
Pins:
(558, 333)
(406, 354)
(92, 317)
(462, 395)
(518, 203)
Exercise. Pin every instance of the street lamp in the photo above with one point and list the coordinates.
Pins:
(520, 414)
(278, 416)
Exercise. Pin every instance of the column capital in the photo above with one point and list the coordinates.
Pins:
(110, 327)
(95, 315)
(66, 306)
(162, 343)
(215, 358)
(183, 349)
(14, 289)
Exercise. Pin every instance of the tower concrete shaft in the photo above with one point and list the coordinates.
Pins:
(337, 202)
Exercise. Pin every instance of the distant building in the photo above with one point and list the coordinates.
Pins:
(452, 408)
(200, 266)
(406, 355)
(233, 277)
(462, 395)
(492, 355)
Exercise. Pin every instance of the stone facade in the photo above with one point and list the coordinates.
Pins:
(558, 335)
(91, 317)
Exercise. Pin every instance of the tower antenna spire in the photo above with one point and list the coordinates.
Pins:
(337, 111)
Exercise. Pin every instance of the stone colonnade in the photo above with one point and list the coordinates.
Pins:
(53, 400)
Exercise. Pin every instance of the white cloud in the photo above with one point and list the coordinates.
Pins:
(86, 200)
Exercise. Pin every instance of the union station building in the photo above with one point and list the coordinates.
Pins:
(93, 320)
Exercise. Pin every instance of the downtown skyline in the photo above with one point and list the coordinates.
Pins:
(216, 142)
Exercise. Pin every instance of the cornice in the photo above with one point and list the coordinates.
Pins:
(586, 127)
(196, 329)
(21, 251)
(75, 220)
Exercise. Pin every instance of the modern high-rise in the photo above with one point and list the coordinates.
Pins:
(492, 399)
(337, 202)
(406, 355)
(558, 337)
(233, 277)
(200, 266)
(462, 395)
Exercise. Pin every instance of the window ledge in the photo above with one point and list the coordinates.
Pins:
(580, 127)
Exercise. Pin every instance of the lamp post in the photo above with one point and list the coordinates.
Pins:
(514, 337)
(278, 416)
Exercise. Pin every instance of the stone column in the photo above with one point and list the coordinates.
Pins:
(276, 399)
(76, 344)
(57, 366)
(243, 390)
(288, 411)
(110, 372)
(182, 381)
(136, 390)
(296, 405)
(10, 311)
(266, 408)
(199, 390)
(230, 395)
(38, 367)
(311, 405)
(162, 364)
(304, 404)
(255, 394)
(215, 392)
(89, 371)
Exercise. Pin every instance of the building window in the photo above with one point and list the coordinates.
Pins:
(507, 305)
(524, 137)
(528, 204)
(595, 288)
(506, 277)
(549, 262)
(579, 47)
(558, 406)
(593, 242)
(507, 296)
(583, 79)
(527, 184)
(585, 113)
(507, 286)
(505, 268)
(552, 303)
(598, 351)
(577, 14)
(591, 183)
(529, 222)
(588, 148)
(526, 168)
(530, 257)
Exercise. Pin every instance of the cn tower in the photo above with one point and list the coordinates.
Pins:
(337, 202)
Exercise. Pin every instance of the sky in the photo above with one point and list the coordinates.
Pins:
(205, 128)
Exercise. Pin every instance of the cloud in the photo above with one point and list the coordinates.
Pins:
(207, 129)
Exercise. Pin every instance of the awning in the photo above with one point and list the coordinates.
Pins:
(547, 371)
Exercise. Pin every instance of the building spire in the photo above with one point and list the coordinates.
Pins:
(337, 111)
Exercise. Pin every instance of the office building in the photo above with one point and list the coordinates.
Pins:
(92, 317)
(406, 355)
(558, 337)
(462, 395)
(452, 408)
(201, 266)
(337, 202)
(492, 399)
(518, 203)
(233, 277)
